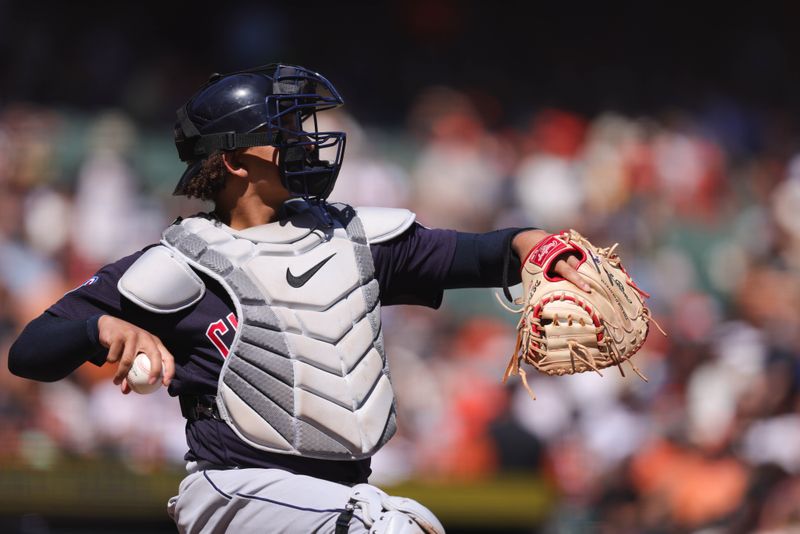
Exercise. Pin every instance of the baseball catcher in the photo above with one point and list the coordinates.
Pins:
(563, 330)
(264, 314)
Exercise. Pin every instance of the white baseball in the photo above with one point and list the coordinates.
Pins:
(139, 375)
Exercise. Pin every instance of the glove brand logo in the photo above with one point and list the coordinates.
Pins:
(614, 282)
(550, 246)
(622, 289)
(300, 281)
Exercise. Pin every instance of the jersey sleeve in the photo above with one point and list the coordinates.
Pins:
(96, 296)
(412, 268)
(66, 334)
(417, 266)
(49, 347)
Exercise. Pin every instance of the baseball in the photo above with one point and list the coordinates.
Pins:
(139, 374)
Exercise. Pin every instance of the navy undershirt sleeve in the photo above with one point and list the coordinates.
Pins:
(481, 259)
(66, 335)
(418, 265)
(51, 347)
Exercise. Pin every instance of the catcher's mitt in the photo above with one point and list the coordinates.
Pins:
(564, 330)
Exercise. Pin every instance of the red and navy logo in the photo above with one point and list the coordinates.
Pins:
(88, 282)
(222, 332)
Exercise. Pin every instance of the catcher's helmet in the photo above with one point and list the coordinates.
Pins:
(271, 105)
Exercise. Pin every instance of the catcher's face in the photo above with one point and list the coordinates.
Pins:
(254, 180)
(261, 163)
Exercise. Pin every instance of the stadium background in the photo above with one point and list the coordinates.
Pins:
(670, 128)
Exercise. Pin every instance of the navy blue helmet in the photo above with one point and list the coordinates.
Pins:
(271, 105)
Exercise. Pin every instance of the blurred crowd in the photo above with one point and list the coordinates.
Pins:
(702, 203)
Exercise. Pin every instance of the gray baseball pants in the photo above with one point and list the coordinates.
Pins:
(259, 501)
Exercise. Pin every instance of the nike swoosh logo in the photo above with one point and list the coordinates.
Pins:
(300, 281)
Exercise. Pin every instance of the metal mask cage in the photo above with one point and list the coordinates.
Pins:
(299, 145)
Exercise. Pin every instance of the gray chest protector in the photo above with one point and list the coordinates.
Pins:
(306, 373)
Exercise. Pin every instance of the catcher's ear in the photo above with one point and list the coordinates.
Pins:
(233, 164)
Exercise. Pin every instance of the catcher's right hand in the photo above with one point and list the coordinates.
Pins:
(124, 341)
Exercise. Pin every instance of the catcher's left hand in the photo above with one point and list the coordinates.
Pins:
(564, 330)
(565, 266)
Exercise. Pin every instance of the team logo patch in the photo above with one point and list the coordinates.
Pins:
(90, 281)
(218, 333)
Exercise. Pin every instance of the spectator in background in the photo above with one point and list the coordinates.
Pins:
(457, 178)
(548, 184)
(367, 179)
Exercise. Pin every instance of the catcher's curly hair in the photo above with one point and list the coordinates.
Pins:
(209, 180)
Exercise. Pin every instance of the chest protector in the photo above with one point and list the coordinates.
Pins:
(306, 373)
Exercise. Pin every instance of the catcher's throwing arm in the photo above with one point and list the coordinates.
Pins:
(563, 330)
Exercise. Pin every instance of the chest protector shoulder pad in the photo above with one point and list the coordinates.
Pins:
(306, 373)
(160, 281)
